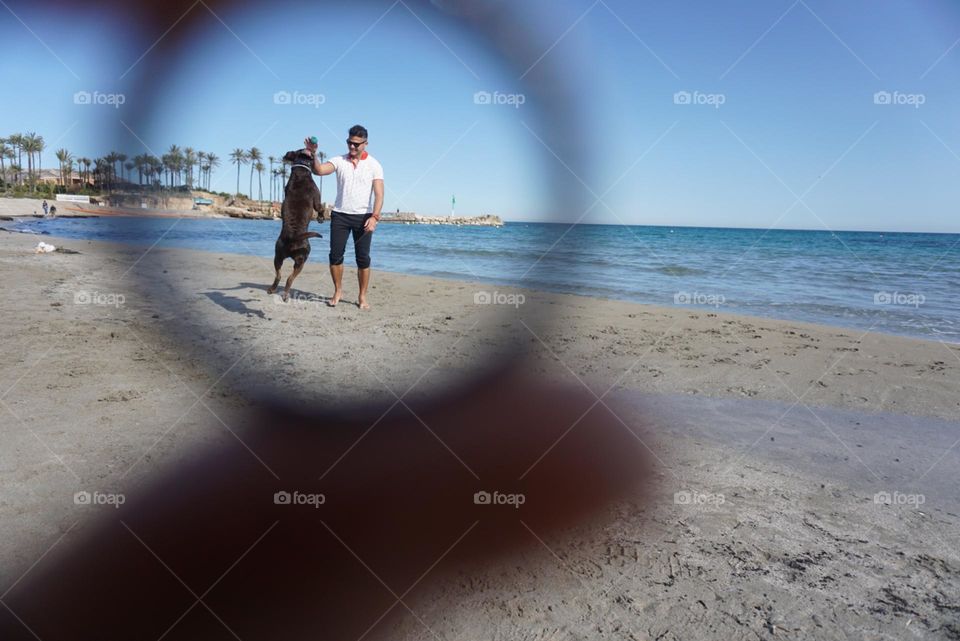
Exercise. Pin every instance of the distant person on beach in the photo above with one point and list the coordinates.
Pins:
(356, 210)
(45, 208)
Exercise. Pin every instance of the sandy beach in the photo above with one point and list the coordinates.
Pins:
(772, 439)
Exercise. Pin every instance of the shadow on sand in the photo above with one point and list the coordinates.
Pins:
(239, 305)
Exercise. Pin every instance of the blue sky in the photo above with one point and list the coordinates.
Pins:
(798, 141)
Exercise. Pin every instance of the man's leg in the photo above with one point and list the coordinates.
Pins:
(363, 275)
(339, 231)
(361, 246)
(336, 273)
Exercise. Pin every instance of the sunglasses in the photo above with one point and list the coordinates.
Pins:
(351, 143)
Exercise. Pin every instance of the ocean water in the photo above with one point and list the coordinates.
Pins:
(899, 283)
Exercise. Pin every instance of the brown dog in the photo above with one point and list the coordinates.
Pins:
(300, 199)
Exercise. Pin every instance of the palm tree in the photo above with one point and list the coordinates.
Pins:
(65, 159)
(201, 161)
(174, 160)
(259, 168)
(189, 160)
(11, 155)
(21, 142)
(16, 142)
(103, 168)
(122, 159)
(254, 156)
(32, 144)
(140, 162)
(108, 168)
(39, 145)
(156, 169)
(213, 161)
(238, 156)
(4, 152)
(272, 177)
(167, 161)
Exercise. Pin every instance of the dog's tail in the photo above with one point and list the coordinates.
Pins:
(309, 234)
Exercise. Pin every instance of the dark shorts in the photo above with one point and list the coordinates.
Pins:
(343, 225)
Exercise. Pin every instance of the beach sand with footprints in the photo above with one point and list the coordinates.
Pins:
(805, 475)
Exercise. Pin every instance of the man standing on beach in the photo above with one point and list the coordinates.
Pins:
(356, 210)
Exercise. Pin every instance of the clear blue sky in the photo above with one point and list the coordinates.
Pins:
(797, 81)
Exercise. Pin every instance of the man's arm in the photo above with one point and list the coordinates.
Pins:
(371, 223)
(377, 197)
(319, 168)
(322, 169)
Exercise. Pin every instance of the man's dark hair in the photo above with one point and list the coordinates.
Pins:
(358, 131)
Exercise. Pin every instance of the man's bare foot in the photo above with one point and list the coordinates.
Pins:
(336, 299)
(363, 304)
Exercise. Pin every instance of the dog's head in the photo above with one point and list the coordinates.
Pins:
(299, 157)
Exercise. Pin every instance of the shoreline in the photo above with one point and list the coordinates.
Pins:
(546, 290)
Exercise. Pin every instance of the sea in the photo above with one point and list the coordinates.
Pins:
(898, 283)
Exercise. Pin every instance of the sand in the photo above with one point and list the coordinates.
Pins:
(118, 361)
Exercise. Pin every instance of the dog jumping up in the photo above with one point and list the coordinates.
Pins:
(300, 199)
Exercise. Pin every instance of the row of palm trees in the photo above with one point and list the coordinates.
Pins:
(177, 167)
(12, 149)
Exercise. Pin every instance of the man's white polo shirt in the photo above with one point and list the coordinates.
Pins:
(355, 184)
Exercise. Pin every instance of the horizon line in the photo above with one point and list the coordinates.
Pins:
(733, 227)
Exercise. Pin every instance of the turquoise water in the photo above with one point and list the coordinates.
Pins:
(898, 283)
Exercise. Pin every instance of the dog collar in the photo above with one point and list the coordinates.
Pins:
(301, 165)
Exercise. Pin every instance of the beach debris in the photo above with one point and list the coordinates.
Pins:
(44, 248)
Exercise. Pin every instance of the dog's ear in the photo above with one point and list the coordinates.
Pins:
(290, 156)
